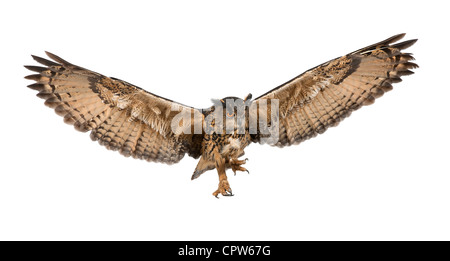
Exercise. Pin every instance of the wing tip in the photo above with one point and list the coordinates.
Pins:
(396, 37)
(388, 43)
(43, 61)
(406, 44)
(35, 68)
(56, 58)
(33, 77)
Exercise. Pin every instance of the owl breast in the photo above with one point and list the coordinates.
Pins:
(234, 145)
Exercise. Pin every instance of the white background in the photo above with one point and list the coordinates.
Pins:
(382, 174)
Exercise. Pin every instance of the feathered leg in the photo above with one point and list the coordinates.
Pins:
(224, 186)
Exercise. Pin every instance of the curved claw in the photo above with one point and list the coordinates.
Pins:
(236, 166)
(228, 193)
(240, 169)
(224, 189)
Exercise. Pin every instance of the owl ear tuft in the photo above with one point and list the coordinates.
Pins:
(248, 97)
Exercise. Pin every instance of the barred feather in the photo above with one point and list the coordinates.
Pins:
(117, 113)
(323, 96)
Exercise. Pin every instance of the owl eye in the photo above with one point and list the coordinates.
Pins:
(230, 114)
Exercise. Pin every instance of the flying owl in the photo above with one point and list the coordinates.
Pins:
(138, 123)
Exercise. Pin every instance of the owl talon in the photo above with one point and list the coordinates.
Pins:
(224, 189)
(236, 165)
(238, 168)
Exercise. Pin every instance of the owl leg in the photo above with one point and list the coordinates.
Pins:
(224, 186)
(235, 165)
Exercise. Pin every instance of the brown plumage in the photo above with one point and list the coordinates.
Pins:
(140, 124)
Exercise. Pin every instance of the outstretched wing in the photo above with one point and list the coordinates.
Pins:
(119, 115)
(323, 96)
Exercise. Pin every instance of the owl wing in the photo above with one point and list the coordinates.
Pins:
(323, 96)
(120, 116)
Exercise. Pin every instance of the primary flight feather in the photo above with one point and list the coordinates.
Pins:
(143, 125)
